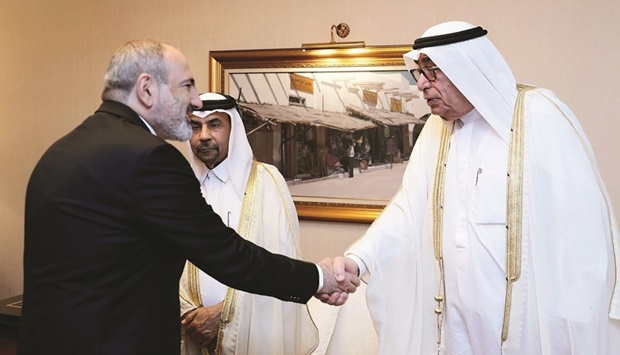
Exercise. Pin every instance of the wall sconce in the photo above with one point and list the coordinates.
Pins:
(342, 30)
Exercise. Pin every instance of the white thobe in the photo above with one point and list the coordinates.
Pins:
(474, 237)
(474, 244)
(253, 199)
(218, 191)
(563, 301)
(253, 324)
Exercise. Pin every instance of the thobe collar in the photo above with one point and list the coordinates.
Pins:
(470, 117)
(220, 172)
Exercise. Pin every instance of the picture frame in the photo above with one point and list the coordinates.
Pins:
(295, 70)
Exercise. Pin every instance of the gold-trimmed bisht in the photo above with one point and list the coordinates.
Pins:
(514, 211)
(228, 310)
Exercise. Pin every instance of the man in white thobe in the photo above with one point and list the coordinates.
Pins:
(253, 199)
(502, 238)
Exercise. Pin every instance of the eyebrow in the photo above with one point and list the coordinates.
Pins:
(214, 118)
(208, 120)
(188, 81)
(424, 60)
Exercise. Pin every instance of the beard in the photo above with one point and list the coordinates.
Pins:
(208, 154)
(171, 117)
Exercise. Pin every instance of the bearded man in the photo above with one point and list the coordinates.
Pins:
(253, 199)
(112, 213)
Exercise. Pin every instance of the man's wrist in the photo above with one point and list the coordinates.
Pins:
(361, 267)
(320, 277)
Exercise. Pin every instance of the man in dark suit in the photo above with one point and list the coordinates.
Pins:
(113, 211)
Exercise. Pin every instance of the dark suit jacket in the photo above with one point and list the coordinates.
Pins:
(112, 212)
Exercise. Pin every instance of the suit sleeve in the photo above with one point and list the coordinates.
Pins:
(170, 207)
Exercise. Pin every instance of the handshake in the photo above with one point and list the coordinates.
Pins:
(340, 278)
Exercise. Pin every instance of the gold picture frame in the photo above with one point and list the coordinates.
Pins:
(223, 63)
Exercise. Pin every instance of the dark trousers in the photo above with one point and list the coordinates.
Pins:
(351, 163)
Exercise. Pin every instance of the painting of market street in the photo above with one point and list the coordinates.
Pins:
(315, 126)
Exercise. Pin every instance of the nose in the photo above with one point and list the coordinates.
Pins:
(205, 132)
(195, 99)
(423, 83)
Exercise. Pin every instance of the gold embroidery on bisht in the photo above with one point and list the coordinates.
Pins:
(193, 284)
(438, 189)
(514, 210)
(243, 229)
(514, 202)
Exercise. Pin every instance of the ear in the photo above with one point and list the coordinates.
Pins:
(146, 90)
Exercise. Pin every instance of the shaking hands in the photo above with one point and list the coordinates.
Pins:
(340, 278)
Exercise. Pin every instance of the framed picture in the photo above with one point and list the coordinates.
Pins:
(339, 124)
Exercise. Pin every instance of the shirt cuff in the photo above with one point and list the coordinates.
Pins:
(360, 264)
(320, 277)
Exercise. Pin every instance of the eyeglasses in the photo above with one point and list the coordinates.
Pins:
(428, 72)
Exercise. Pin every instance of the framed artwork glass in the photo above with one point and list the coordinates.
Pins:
(339, 124)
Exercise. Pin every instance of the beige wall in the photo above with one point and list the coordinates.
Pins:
(53, 55)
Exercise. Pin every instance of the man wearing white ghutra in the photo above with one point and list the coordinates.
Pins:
(502, 238)
(253, 199)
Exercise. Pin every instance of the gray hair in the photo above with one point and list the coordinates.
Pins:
(128, 62)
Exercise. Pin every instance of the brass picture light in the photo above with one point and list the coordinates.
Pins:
(342, 30)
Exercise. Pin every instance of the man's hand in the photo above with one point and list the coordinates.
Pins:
(340, 277)
(201, 325)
